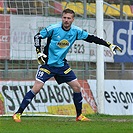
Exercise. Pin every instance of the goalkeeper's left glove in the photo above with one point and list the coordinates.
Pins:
(41, 58)
(114, 48)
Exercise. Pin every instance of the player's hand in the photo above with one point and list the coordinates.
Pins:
(114, 48)
(41, 58)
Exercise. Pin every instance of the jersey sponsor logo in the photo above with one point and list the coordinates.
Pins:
(63, 43)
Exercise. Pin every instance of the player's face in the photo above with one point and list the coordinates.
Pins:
(67, 19)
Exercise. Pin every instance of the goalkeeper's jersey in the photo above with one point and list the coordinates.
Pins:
(60, 41)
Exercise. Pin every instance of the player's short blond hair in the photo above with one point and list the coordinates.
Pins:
(68, 11)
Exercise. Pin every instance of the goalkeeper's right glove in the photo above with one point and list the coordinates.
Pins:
(41, 58)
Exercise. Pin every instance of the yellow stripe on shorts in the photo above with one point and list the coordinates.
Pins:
(45, 70)
(67, 71)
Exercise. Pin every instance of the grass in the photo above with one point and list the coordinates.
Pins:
(99, 124)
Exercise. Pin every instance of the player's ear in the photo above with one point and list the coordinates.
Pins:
(73, 18)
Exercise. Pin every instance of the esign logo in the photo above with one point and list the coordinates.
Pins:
(125, 98)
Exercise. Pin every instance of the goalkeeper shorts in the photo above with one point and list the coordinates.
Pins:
(61, 74)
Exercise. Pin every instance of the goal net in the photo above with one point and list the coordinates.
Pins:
(20, 20)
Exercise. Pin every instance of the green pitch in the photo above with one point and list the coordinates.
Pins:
(98, 124)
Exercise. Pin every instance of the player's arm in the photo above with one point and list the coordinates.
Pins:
(37, 43)
(97, 40)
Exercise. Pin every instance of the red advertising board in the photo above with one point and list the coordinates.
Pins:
(4, 36)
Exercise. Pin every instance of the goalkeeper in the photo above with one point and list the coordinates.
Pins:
(52, 62)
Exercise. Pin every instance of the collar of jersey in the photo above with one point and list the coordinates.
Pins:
(65, 29)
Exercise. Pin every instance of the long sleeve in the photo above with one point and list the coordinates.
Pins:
(97, 40)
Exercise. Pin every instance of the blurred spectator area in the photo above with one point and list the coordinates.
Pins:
(52, 7)
(112, 9)
(5, 8)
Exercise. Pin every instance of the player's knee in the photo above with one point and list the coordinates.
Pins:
(37, 86)
(77, 89)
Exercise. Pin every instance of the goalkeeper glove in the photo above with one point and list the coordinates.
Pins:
(114, 48)
(41, 58)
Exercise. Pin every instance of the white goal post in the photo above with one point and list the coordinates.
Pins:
(100, 58)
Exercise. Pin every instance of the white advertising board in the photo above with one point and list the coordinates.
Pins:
(57, 99)
(52, 98)
(51, 94)
(118, 96)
